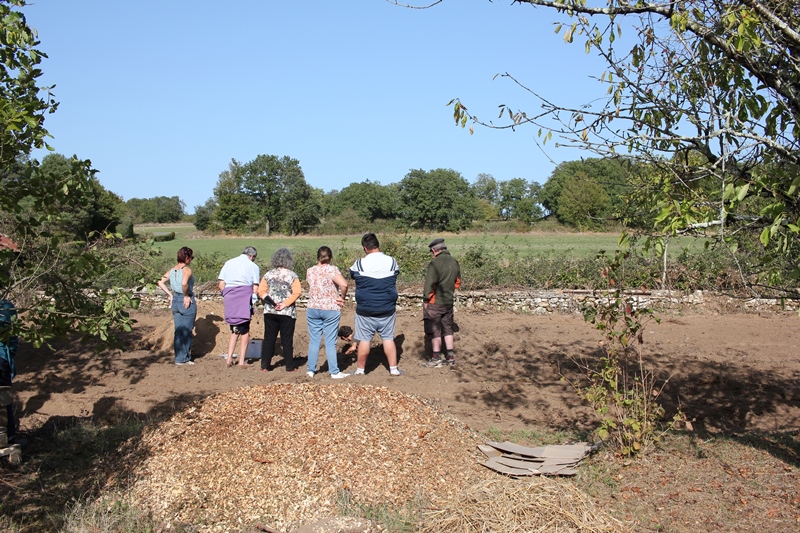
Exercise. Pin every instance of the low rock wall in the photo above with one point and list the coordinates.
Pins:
(543, 302)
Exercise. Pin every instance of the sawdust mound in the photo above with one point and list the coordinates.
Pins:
(282, 455)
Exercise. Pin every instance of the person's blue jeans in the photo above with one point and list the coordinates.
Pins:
(322, 324)
(184, 323)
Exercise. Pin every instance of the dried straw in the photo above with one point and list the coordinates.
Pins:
(528, 505)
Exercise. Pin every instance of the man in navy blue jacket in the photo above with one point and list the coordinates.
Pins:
(375, 276)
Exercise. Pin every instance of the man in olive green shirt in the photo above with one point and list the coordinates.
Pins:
(441, 280)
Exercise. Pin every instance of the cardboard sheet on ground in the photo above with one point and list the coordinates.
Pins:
(565, 451)
(517, 461)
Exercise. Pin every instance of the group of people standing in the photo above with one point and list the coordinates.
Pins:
(375, 277)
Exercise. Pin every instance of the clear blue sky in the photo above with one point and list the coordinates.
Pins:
(162, 95)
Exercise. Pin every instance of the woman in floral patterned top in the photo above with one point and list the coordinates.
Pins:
(279, 289)
(326, 291)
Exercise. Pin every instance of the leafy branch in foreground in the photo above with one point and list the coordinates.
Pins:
(53, 275)
(705, 95)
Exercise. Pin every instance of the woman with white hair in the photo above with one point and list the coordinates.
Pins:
(279, 290)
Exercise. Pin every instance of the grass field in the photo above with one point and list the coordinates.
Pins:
(577, 245)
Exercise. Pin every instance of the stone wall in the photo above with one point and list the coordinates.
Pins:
(543, 302)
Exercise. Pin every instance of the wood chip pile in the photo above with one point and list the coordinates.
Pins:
(532, 505)
(282, 454)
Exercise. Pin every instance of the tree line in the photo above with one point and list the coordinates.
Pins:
(271, 194)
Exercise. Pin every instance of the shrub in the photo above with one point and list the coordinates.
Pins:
(303, 259)
(412, 258)
(622, 391)
(351, 223)
(125, 227)
(165, 238)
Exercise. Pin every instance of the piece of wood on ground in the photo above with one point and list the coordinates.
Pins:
(516, 463)
(557, 470)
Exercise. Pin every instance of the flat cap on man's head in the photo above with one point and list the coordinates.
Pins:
(436, 242)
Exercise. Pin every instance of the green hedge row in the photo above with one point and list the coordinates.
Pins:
(484, 268)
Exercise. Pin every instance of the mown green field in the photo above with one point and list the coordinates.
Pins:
(537, 244)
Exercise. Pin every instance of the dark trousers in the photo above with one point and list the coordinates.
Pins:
(272, 325)
(5, 381)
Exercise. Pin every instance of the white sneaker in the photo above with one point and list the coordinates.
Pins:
(310, 374)
(397, 372)
(340, 375)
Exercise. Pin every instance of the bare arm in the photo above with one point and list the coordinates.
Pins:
(163, 286)
(341, 283)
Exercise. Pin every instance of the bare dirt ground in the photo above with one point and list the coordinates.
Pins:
(735, 376)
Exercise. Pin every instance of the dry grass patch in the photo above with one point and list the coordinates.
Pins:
(520, 506)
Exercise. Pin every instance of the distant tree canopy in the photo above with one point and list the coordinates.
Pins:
(370, 200)
(157, 210)
(486, 188)
(267, 192)
(609, 176)
(272, 192)
(513, 199)
(439, 199)
(203, 214)
(85, 215)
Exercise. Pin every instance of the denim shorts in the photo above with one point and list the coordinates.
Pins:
(367, 326)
